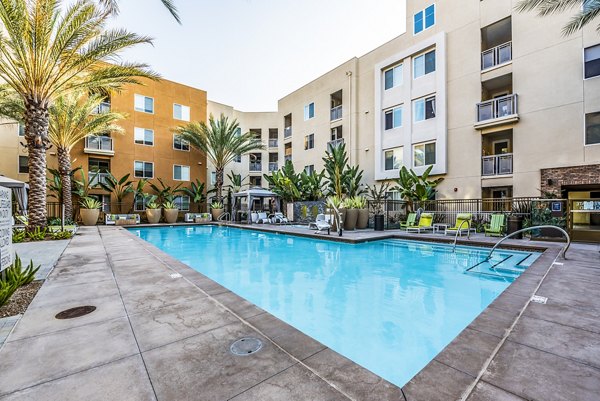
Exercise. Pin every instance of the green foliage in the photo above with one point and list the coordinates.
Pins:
(119, 187)
(414, 187)
(304, 211)
(196, 191)
(54, 184)
(378, 196)
(311, 185)
(237, 181)
(169, 205)
(66, 234)
(586, 11)
(56, 221)
(6, 291)
(216, 205)
(82, 187)
(151, 202)
(355, 202)
(341, 178)
(335, 202)
(18, 235)
(285, 182)
(90, 203)
(165, 193)
(15, 273)
(37, 234)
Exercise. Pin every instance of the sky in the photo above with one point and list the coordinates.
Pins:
(250, 53)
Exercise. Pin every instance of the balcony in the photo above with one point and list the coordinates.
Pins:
(287, 132)
(96, 178)
(498, 111)
(497, 165)
(102, 108)
(336, 113)
(99, 145)
(273, 143)
(496, 56)
(335, 143)
(273, 166)
(255, 166)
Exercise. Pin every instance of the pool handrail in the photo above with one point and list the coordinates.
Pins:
(222, 217)
(563, 252)
(458, 232)
(338, 217)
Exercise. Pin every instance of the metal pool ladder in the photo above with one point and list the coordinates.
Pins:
(223, 216)
(563, 252)
(458, 231)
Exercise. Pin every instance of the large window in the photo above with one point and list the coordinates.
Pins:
(180, 143)
(181, 173)
(393, 158)
(144, 104)
(592, 61)
(393, 118)
(424, 154)
(592, 128)
(393, 77)
(424, 19)
(309, 141)
(143, 136)
(143, 169)
(424, 64)
(21, 130)
(181, 112)
(309, 169)
(182, 202)
(309, 111)
(23, 165)
(424, 108)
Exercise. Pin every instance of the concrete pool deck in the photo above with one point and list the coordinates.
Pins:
(162, 331)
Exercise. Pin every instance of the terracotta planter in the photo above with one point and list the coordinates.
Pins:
(89, 216)
(363, 219)
(216, 213)
(171, 215)
(153, 215)
(351, 219)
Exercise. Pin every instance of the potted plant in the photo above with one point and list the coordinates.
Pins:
(216, 209)
(351, 214)
(363, 212)
(378, 196)
(152, 210)
(90, 210)
(171, 212)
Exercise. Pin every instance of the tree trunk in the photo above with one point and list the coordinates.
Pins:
(219, 183)
(64, 167)
(36, 135)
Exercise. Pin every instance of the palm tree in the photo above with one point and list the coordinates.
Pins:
(222, 143)
(587, 11)
(46, 53)
(113, 7)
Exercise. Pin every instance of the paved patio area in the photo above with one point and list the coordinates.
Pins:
(162, 331)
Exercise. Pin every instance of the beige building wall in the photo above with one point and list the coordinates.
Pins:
(10, 150)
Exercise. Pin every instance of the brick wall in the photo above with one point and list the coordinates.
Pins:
(576, 175)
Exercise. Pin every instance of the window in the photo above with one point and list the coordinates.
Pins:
(309, 169)
(424, 108)
(21, 130)
(424, 19)
(255, 181)
(98, 165)
(182, 202)
(393, 118)
(213, 178)
(139, 203)
(309, 141)
(143, 169)
(424, 64)
(144, 104)
(180, 144)
(309, 111)
(143, 136)
(592, 61)
(424, 154)
(592, 128)
(336, 133)
(181, 173)
(181, 112)
(23, 164)
(393, 158)
(393, 77)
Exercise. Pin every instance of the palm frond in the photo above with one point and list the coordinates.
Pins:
(588, 10)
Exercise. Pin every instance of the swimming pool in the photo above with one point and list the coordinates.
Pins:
(388, 305)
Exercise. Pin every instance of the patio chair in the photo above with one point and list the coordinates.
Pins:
(425, 224)
(262, 218)
(496, 226)
(279, 218)
(462, 224)
(320, 224)
(411, 219)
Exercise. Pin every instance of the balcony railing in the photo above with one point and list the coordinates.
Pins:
(287, 132)
(96, 178)
(287, 157)
(273, 143)
(99, 144)
(335, 143)
(103, 107)
(496, 55)
(336, 113)
(497, 108)
(273, 166)
(255, 166)
(497, 164)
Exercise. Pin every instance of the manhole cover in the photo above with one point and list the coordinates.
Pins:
(75, 312)
(246, 346)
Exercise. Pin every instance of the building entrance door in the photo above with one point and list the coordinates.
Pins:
(584, 215)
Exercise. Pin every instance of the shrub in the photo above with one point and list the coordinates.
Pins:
(18, 236)
(6, 291)
(15, 274)
(62, 234)
(38, 234)
(90, 203)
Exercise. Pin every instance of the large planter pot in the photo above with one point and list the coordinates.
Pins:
(216, 213)
(171, 215)
(153, 215)
(351, 219)
(514, 224)
(89, 216)
(363, 219)
(379, 222)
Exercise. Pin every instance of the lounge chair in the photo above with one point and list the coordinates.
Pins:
(462, 224)
(122, 219)
(496, 226)
(320, 224)
(262, 218)
(278, 218)
(197, 217)
(410, 221)
(425, 223)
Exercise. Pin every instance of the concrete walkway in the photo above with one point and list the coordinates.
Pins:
(44, 253)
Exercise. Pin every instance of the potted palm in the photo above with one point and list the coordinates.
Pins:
(378, 196)
(216, 210)
(90, 210)
(152, 210)
(363, 213)
(171, 211)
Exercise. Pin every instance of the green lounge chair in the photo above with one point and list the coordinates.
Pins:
(411, 219)
(425, 223)
(463, 224)
(496, 226)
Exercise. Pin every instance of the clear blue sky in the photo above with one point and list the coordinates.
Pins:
(250, 53)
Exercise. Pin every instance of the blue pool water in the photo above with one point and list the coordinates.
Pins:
(388, 305)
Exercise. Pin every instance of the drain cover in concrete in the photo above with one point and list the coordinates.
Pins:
(75, 312)
(539, 299)
(246, 346)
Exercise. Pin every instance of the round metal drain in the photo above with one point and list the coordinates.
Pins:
(246, 346)
(75, 312)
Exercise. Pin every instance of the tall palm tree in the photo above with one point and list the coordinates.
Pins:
(47, 52)
(113, 7)
(72, 118)
(222, 143)
(586, 11)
